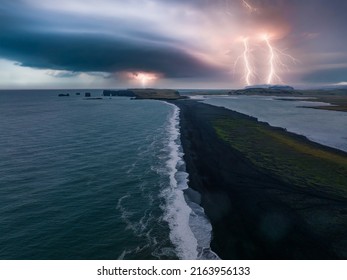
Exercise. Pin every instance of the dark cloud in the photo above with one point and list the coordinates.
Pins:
(99, 53)
(75, 43)
(36, 40)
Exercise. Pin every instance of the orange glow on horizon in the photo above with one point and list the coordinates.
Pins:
(144, 78)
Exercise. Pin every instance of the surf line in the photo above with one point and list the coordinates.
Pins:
(190, 229)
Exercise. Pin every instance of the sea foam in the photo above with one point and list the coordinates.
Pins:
(190, 229)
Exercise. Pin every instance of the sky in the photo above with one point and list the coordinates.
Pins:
(172, 43)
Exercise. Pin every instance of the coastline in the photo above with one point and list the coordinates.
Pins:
(335, 99)
(190, 229)
(255, 214)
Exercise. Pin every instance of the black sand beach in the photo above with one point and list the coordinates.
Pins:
(255, 214)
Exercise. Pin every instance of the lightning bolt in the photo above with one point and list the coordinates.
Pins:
(144, 78)
(276, 61)
(272, 72)
(248, 6)
(246, 57)
(229, 6)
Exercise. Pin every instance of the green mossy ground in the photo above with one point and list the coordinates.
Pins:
(291, 158)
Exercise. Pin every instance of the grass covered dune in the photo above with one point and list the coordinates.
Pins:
(269, 194)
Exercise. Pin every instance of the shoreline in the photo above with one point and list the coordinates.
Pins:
(254, 214)
(189, 226)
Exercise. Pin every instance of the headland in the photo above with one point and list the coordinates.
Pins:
(159, 94)
(268, 193)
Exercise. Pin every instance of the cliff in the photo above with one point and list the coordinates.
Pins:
(163, 94)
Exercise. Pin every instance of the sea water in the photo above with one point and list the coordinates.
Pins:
(95, 179)
(322, 126)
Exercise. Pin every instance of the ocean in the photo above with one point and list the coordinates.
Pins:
(95, 179)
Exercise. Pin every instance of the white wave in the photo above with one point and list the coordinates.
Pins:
(190, 229)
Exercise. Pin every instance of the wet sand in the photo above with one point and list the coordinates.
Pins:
(255, 214)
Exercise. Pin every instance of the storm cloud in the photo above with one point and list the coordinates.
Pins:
(100, 53)
(81, 45)
(190, 39)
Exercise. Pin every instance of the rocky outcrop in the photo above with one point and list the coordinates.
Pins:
(162, 94)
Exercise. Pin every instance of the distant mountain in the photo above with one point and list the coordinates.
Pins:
(272, 90)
